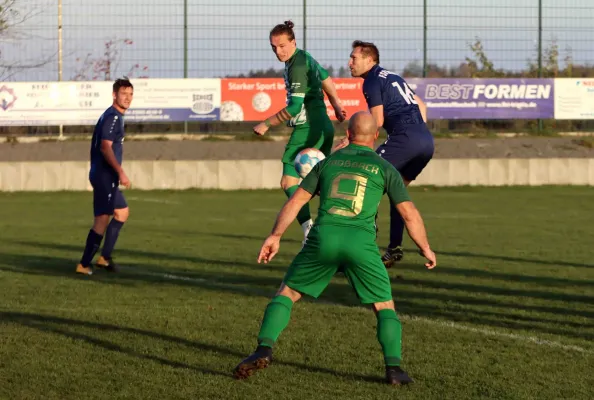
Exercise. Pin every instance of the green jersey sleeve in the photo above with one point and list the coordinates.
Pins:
(311, 183)
(395, 186)
(322, 73)
(297, 75)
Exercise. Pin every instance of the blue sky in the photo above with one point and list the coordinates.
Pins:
(231, 36)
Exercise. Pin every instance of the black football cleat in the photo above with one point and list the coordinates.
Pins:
(107, 264)
(259, 359)
(397, 377)
(392, 256)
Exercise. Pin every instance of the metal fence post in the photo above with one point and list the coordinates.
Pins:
(185, 38)
(185, 52)
(424, 38)
(305, 25)
(60, 56)
(540, 124)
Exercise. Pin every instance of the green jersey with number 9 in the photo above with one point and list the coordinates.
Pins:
(351, 183)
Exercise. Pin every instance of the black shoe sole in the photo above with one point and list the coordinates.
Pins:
(107, 268)
(400, 379)
(404, 380)
(390, 263)
(398, 383)
(245, 370)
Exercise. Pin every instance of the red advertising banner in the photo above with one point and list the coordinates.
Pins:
(251, 99)
(351, 95)
(255, 99)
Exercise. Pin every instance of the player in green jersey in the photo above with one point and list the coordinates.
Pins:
(350, 183)
(305, 81)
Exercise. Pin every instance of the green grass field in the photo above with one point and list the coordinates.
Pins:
(507, 314)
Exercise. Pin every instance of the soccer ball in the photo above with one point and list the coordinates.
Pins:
(306, 160)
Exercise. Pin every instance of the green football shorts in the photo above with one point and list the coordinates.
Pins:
(351, 250)
(318, 134)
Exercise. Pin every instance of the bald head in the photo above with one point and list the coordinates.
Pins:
(362, 129)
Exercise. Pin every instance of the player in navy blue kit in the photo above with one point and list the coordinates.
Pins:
(106, 175)
(403, 114)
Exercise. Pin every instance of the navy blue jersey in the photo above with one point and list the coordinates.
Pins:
(382, 87)
(109, 127)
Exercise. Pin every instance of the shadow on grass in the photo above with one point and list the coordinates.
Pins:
(75, 251)
(67, 327)
(437, 251)
(51, 264)
(503, 276)
(260, 239)
(460, 302)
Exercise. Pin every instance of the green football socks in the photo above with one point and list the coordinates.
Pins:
(389, 334)
(276, 319)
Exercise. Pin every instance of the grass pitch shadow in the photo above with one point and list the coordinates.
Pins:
(67, 327)
(414, 297)
(437, 251)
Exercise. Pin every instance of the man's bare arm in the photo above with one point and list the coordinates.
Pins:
(330, 90)
(414, 224)
(278, 118)
(416, 230)
(289, 211)
(422, 107)
(378, 114)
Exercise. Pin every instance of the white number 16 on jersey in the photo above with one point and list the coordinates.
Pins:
(406, 92)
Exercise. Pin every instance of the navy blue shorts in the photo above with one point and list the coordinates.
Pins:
(409, 150)
(106, 196)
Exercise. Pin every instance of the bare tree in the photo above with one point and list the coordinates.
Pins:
(11, 20)
(480, 65)
(93, 68)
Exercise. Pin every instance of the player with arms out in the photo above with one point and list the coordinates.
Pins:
(106, 175)
(305, 81)
(350, 183)
(403, 114)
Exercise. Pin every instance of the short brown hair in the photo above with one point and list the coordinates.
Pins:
(122, 83)
(284, 29)
(368, 49)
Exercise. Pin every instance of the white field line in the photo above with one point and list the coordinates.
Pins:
(499, 334)
(151, 200)
(445, 324)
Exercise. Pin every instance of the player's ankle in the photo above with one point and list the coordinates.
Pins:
(264, 349)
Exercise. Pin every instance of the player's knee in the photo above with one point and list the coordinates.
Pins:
(121, 214)
(288, 181)
(383, 305)
(286, 291)
(100, 224)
